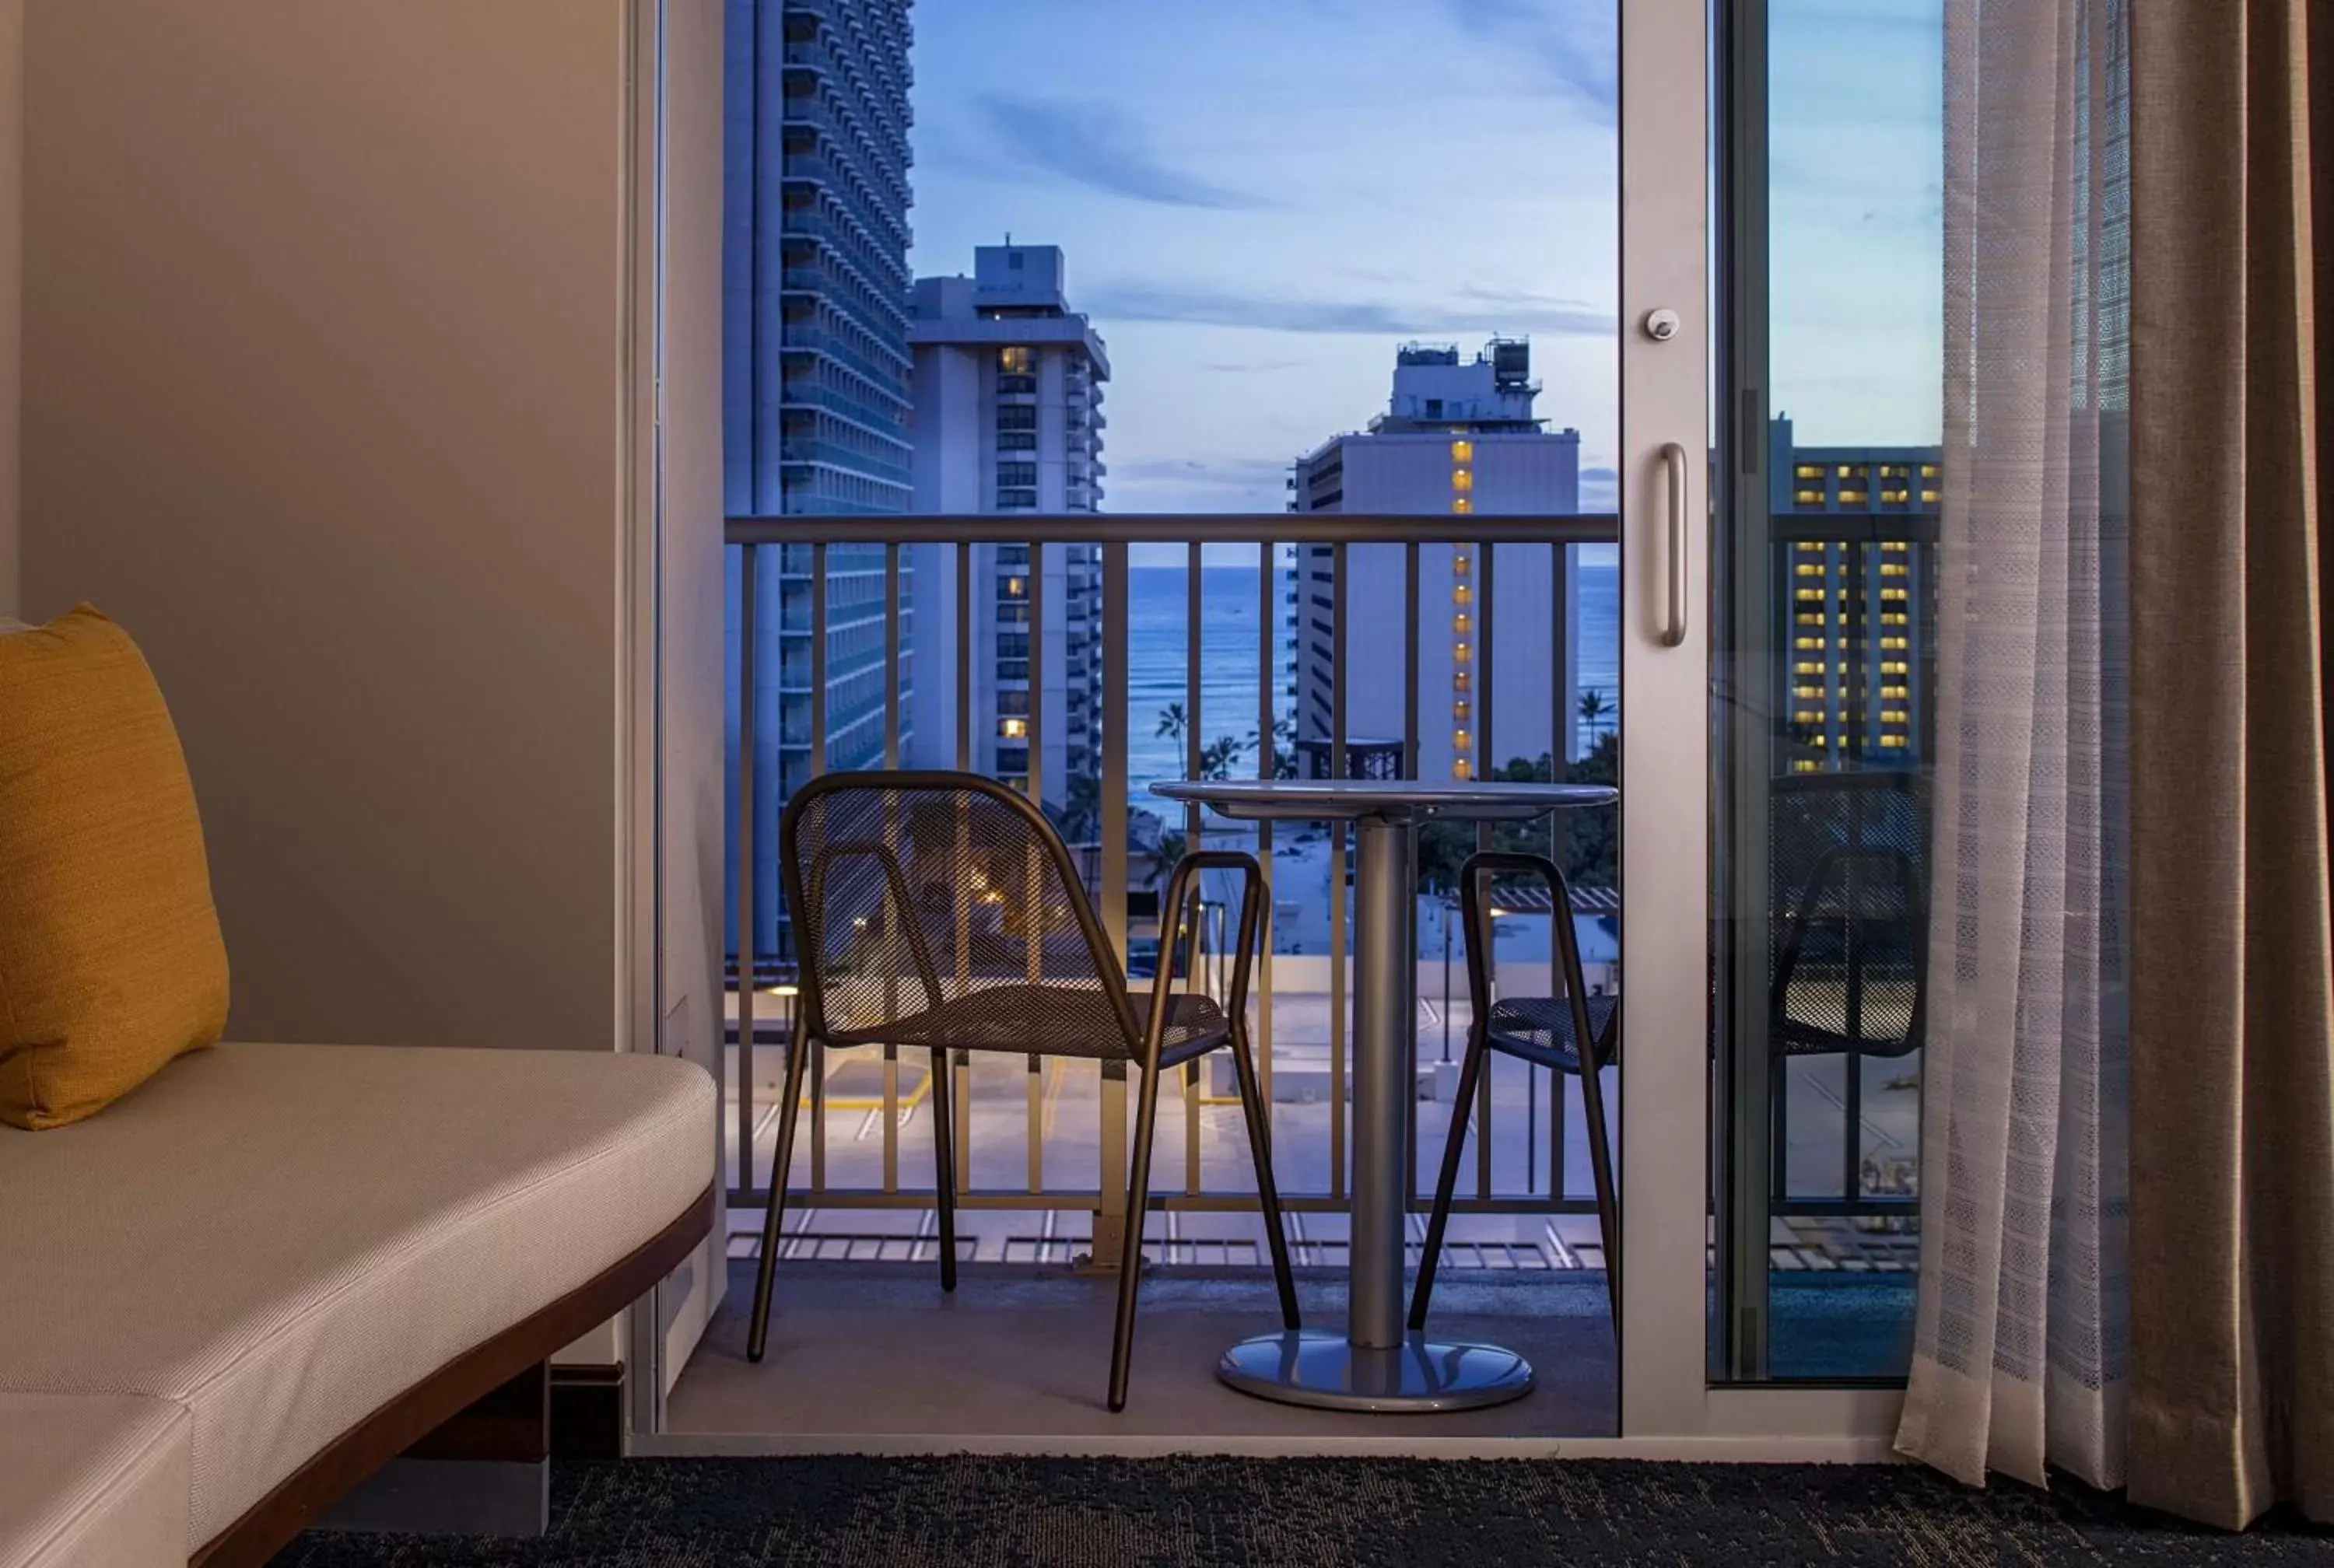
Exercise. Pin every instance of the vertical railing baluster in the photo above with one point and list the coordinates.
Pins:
(1851, 1163)
(891, 760)
(1195, 607)
(1559, 746)
(1035, 914)
(1851, 1185)
(1337, 579)
(1268, 766)
(749, 607)
(1480, 635)
(892, 655)
(1778, 1173)
(960, 1062)
(1035, 629)
(964, 657)
(1410, 740)
(1110, 1214)
(817, 767)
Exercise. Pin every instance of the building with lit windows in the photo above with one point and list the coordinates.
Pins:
(1855, 530)
(815, 369)
(1459, 437)
(1008, 419)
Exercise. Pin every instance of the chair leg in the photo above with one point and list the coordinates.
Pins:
(943, 1099)
(1259, 1143)
(1470, 1068)
(758, 1335)
(1129, 1264)
(1600, 1161)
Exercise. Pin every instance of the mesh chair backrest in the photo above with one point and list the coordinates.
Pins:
(908, 890)
(1850, 899)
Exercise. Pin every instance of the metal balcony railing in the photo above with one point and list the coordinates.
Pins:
(868, 415)
(807, 449)
(885, 326)
(818, 550)
(763, 1018)
(808, 340)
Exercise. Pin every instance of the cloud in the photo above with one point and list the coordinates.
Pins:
(1547, 312)
(1095, 146)
(1215, 474)
(1599, 476)
(1253, 367)
(1475, 311)
(1572, 43)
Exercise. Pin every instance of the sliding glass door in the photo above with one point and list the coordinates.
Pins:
(1780, 480)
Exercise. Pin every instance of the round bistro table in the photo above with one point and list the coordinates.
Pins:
(1376, 1364)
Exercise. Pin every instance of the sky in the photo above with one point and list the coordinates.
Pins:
(1259, 199)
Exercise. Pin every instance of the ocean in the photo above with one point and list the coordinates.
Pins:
(1159, 662)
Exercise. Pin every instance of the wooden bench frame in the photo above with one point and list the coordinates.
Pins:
(472, 1380)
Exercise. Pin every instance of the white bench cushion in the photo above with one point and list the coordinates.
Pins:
(284, 1238)
(92, 1481)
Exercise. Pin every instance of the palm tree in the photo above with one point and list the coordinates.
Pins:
(1595, 712)
(1172, 721)
(1284, 748)
(1081, 810)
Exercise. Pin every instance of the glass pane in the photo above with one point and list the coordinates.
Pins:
(1823, 677)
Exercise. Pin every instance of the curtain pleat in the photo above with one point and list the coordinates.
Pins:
(2019, 1345)
(2232, 1404)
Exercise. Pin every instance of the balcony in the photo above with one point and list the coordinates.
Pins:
(851, 188)
(889, 423)
(1042, 1149)
(809, 339)
(883, 325)
(852, 247)
(806, 450)
(832, 114)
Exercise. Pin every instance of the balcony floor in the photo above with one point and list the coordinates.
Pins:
(871, 1357)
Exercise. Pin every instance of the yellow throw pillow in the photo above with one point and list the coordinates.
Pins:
(110, 958)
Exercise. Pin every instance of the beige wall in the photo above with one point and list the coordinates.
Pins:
(12, 141)
(324, 346)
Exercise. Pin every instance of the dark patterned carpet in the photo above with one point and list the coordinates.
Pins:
(989, 1513)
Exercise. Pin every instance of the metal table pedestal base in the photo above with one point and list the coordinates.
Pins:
(1327, 1371)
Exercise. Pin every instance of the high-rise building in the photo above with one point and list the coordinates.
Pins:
(1852, 529)
(1009, 391)
(816, 367)
(1458, 437)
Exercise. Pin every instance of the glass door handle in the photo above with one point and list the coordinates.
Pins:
(1674, 476)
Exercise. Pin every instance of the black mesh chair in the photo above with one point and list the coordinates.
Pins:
(1851, 932)
(1575, 1032)
(940, 910)
(1848, 933)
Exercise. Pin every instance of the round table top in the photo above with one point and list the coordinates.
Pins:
(1320, 800)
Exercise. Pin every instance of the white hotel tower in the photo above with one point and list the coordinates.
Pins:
(1008, 419)
(1458, 437)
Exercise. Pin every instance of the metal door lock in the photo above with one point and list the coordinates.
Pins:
(1660, 325)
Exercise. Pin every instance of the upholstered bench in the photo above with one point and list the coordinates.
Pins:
(92, 1481)
(271, 1269)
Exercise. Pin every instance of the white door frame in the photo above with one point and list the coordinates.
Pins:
(639, 880)
(1667, 1403)
(1669, 1410)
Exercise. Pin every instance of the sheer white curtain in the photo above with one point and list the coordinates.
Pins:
(2021, 1345)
